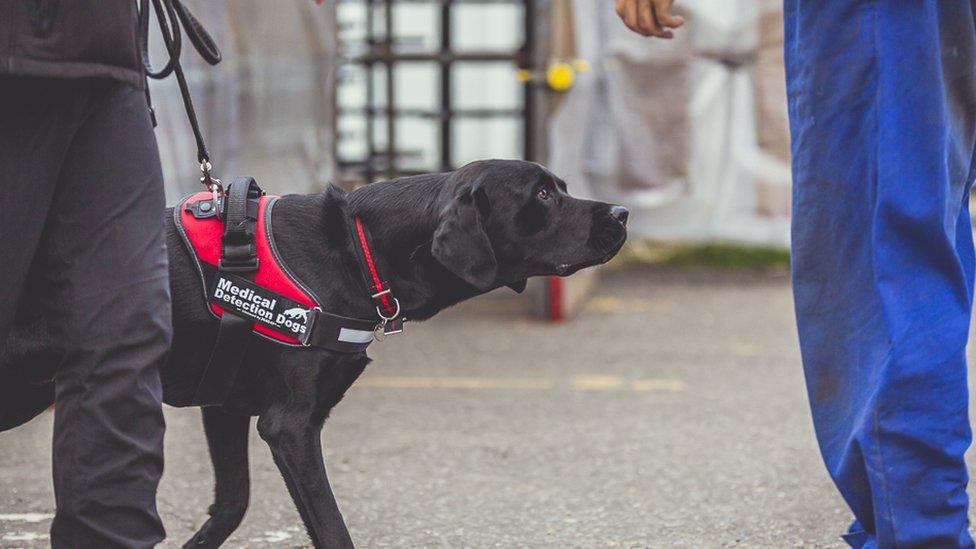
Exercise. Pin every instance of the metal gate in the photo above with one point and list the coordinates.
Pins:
(428, 85)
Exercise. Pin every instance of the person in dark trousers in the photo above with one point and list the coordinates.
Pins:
(882, 103)
(81, 240)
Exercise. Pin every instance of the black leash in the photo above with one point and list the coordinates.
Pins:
(239, 206)
(170, 14)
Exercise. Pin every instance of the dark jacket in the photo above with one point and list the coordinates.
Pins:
(71, 39)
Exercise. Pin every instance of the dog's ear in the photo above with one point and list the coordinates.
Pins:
(460, 242)
(336, 229)
(519, 286)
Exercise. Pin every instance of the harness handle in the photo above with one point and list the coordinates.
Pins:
(170, 13)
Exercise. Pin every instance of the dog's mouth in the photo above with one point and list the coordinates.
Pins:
(567, 269)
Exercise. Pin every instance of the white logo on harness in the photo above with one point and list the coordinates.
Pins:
(297, 312)
(253, 304)
(295, 319)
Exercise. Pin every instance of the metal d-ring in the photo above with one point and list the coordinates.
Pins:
(395, 313)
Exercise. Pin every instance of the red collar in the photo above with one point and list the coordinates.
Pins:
(387, 305)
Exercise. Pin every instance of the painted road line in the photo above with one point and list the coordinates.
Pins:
(610, 304)
(673, 385)
(456, 382)
(745, 350)
(23, 536)
(276, 536)
(597, 383)
(579, 382)
(26, 517)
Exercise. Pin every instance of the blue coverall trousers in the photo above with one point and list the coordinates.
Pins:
(882, 99)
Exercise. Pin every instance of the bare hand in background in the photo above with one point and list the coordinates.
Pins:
(649, 17)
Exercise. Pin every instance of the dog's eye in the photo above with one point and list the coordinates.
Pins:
(543, 193)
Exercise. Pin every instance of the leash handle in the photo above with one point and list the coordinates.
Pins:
(238, 252)
(170, 13)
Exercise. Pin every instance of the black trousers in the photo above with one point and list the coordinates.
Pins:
(82, 238)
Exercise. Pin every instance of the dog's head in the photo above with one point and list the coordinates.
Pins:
(503, 221)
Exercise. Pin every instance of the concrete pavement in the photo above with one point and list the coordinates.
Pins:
(670, 413)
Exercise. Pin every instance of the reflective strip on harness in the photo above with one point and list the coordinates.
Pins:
(350, 335)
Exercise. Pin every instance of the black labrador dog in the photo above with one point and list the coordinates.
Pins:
(444, 238)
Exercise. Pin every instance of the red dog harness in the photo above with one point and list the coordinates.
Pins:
(249, 287)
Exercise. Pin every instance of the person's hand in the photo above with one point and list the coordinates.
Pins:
(649, 17)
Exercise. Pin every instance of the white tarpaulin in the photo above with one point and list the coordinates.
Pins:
(266, 109)
(688, 133)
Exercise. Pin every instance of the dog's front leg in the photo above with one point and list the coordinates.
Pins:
(295, 441)
(227, 442)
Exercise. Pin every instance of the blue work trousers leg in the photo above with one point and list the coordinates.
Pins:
(882, 99)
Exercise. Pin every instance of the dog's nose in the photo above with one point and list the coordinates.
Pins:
(620, 214)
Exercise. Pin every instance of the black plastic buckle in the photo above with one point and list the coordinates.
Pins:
(202, 209)
(248, 266)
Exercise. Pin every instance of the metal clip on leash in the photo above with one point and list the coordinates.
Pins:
(211, 183)
(170, 14)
